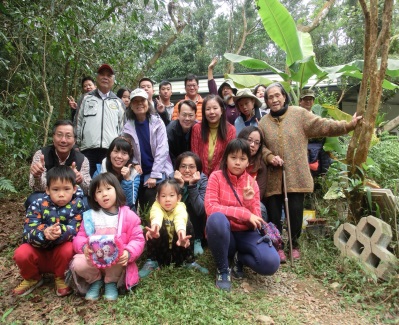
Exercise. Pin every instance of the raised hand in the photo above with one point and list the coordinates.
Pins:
(79, 177)
(213, 63)
(125, 172)
(179, 178)
(72, 103)
(249, 191)
(160, 105)
(37, 169)
(152, 232)
(196, 177)
(183, 241)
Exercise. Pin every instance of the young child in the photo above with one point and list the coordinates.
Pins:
(108, 213)
(169, 238)
(50, 225)
(233, 208)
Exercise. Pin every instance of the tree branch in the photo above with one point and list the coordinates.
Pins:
(319, 17)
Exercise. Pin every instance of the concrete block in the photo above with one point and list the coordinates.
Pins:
(382, 235)
(342, 236)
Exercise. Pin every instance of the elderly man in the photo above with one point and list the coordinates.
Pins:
(191, 84)
(148, 85)
(179, 131)
(61, 152)
(306, 100)
(226, 91)
(100, 118)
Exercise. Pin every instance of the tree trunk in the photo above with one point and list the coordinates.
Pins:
(376, 45)
(64, 92)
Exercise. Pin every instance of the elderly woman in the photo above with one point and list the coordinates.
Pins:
(150, 146)
(286, 131)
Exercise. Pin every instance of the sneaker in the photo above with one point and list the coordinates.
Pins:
(61, 289)
(94, 290)
(26, 287)
(296, 254)
(148, 268)
(196, 266)
(111, 291)
(198, 250)
(237, 271)
(283, 258)
(223, 280)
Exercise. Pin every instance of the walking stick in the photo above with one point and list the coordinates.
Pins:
(287, 215)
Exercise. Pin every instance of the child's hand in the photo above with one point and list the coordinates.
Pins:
(87, 251)
(196, 177)
(183, 241)
(256, 221)
(125, 172)
(124, 258)
(152, 232)
(179, 178)
(52, 232)
(249, 191)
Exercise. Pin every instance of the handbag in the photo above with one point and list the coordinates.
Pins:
(107, 249)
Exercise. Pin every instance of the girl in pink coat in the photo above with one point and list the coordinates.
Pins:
(108, 216)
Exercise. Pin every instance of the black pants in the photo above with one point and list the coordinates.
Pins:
(274, 205)
(95, 156)
(158, 248)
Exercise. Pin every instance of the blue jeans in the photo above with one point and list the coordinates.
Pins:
(224, 243)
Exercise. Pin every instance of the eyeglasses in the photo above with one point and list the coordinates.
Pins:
(255, 142)
(190, 167)
(191, 85)
(190, 116)
(67, 136)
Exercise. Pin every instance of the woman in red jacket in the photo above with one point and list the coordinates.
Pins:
(233, 208)
(210, 137)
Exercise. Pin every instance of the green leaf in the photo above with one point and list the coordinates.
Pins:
(281, 28)
(305, 69)
(249, 81)
(336, 113)
(333, 144)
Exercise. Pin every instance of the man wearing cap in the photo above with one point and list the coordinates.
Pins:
(148, 85)
(100, 118)
(226, 91)
(306, 100)
(191, 84)
(249, 106)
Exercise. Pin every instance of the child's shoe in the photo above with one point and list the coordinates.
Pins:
(196, 266)
(223, 280)
(198, 250)
(61, 289)
(283, 258)
(94, 290)
(26, 287)
(296, 253)
(237, 271)
(148, 268)
(111, 291)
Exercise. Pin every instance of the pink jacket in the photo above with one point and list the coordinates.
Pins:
(131, 236)
(219, 197)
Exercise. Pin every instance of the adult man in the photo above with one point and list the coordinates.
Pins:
(148, 85)
(87, 86)
(226, 91)
(179, 131)
(100, 118)
(306, 100)
(319, 160)
(191, 84)
(61, 152)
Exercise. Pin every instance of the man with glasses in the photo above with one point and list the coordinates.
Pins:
(191, 84)
(179, 131)
(306, 100)
(61, 152)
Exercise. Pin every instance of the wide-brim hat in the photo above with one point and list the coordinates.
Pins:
(105, 66)
(307, 93)
(138, 92)
(228, 83)
(247, 93)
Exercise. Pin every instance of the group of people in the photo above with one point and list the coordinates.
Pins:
(206, 170)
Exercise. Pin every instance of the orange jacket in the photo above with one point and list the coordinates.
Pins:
(199, 108)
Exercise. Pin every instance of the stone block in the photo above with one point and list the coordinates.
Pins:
(342, 236)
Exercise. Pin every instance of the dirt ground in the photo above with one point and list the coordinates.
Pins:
(304, 298)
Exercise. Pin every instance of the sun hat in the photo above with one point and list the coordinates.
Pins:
(138, 92)
(247, 93)
(228, 83)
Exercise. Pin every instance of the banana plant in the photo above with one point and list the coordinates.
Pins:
(300, 61)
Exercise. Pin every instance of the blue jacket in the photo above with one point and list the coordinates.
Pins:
(130, 187)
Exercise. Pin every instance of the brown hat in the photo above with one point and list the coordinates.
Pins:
(105, 66)
(247, 93)
(307, 93)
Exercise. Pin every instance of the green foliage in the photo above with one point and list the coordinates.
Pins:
(6, 186)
